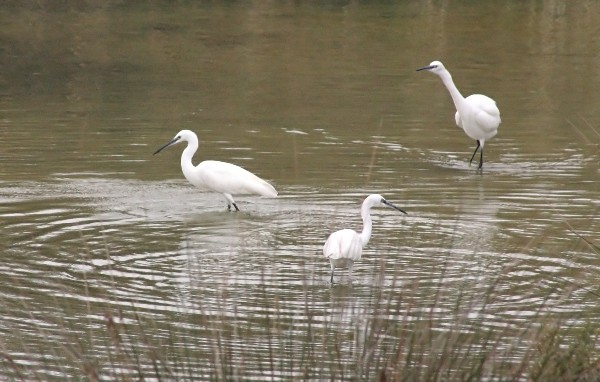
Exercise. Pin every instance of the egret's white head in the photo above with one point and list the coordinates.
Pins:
(376, 200)
(434, 67)
(183, 135)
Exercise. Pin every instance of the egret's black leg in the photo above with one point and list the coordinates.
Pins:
(475, 152)
(332, 275)
(481, 158)
(234, 205)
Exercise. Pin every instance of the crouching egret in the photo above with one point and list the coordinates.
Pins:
(222, 177)
(345, 246)
(477, 114)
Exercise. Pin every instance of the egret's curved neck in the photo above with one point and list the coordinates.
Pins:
(365, 235)
(457, 98)
(186, 158)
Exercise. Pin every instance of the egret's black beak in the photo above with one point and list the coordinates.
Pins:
(393, 206)
(428, 67)
(175, 140)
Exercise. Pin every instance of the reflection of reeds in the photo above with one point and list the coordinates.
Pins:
(595, 134)
(449, 336)
(374, 152)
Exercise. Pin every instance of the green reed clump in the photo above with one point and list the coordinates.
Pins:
(400, 342)
(395, 335)
(573, 360)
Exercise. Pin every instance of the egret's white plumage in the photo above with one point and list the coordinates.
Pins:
(225, 178)
(477, 114)
(345, 246)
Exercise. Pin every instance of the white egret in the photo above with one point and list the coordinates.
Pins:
(345, 246)
(222, 177)
(477, 114)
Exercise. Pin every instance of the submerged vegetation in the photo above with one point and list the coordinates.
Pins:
(453, 335)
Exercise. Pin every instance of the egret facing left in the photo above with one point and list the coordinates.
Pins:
(222, 177)
(476, 114)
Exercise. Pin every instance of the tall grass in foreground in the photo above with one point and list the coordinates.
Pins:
(452, 336)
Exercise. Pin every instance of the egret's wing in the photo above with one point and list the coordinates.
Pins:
(231, 179)
(488, 115)
(458, 120)
(343, 244)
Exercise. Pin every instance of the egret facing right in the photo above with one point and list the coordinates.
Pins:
(477, 114)
(345, 246)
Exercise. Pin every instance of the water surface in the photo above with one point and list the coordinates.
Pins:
(325, 103)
